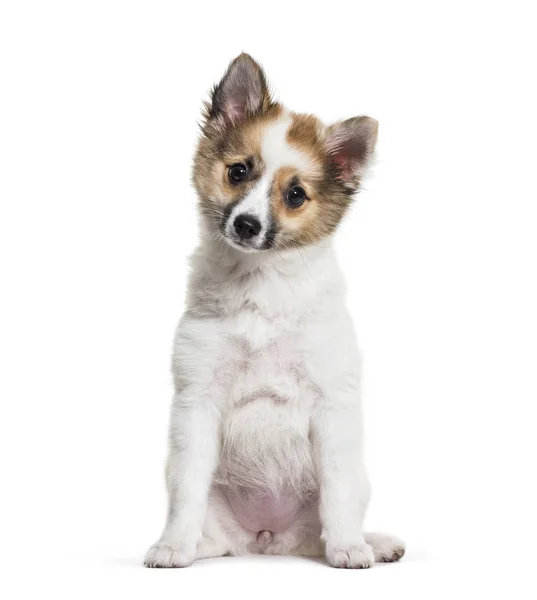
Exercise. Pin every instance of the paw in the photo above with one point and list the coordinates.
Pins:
(166, 556)
(386, 548)
(390, 553)
(350, 557)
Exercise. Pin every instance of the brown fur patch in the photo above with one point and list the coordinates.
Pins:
(293, 220)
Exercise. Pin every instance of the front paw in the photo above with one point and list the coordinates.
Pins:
(167, 556)
(350, 557)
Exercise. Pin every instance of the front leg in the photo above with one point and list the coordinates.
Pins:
(344, 486)
(192, 460)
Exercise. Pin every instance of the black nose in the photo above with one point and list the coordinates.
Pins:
(246, 226)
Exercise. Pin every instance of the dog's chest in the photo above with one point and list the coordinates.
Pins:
(270, 362)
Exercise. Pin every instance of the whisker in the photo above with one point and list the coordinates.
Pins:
(305, 264)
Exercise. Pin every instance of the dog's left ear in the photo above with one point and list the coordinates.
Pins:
(242, 92)
(350, 144)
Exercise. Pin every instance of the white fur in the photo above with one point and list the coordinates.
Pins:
(276, 150)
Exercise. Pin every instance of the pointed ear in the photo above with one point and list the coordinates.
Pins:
(350, 144)
(242, 92)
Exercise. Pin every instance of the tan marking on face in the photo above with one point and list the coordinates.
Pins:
(282, 183)
(307, 134)
(294, 224)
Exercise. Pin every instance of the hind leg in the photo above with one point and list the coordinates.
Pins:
(386, 548)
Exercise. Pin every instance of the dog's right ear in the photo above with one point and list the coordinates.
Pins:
(350, 145)
(242, 92)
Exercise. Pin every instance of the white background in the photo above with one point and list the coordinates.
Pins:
(98, 108)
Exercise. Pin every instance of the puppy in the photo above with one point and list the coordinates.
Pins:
(265, 442)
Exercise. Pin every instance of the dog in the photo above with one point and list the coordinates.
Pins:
(265, 438)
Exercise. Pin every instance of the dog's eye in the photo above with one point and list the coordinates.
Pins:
(237, 172)
(296, 196)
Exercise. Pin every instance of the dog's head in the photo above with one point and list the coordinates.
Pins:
(270, 178)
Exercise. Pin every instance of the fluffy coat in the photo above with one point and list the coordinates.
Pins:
(265, 442)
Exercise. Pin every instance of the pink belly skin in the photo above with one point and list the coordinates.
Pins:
(259, 510)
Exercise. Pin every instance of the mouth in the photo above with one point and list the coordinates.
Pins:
(242, 245)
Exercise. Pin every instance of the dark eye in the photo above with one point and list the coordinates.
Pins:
(296, 196)
(237, 172)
